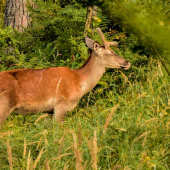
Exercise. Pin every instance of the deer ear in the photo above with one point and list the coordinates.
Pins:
(96, 46)
(89, 42)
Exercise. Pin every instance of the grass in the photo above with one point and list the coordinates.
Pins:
(127, 130)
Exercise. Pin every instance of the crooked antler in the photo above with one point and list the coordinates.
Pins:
(106, 43)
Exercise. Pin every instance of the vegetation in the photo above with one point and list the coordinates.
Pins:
(150, 23)
(123, 123)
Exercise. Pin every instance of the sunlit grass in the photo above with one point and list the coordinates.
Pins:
(135, 136)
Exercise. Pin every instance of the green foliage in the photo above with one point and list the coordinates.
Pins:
(8, 45)
(148, 21)
(51, 39)
(7, 38)
(57, 25)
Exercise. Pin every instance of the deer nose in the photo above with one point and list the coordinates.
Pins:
(126, 65)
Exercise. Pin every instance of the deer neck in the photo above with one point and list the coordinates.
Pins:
(90, 73)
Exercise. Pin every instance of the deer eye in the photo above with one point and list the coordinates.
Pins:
(111, 55)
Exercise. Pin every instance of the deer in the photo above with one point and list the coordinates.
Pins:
(56, 89)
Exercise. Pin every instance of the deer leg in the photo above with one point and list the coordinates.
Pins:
(60, 110)
(5, 111)
(60, 114)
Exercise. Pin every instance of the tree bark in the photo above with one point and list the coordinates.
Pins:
(94, 14)
(16, 14)
(91, 13)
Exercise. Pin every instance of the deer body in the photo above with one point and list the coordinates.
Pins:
(58, 89)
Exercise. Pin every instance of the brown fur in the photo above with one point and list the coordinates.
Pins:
(58, 89)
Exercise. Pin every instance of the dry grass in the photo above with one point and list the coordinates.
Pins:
(78, 155)
(79, 136)
(117, 167)
(150, 120)
(32, 143)
(41, 117)
(61, 145)
(47, 167)
(38, 158)
(144, 140)
(25, 147)
(93, 151)
(9, 154)
(42, 133)
(2, 93)
(6, 134)
(144, 134)
(121, 129)
(141, 160)
(60, 156)
(62, 140)
(109, 118)
(28, 160)
(66, 166)
(39, 144)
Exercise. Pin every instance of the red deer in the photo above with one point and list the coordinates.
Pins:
(57, 89)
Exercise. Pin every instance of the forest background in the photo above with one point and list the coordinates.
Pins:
(124, 122)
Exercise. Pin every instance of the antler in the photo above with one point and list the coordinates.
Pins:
(106, 43)
(102, 36)
(113, 43)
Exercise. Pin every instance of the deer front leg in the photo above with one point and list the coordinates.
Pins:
(60, 114)
(5, 110)
(4, 113)
(60, 110)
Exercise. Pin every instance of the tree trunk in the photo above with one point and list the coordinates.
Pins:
(94, 14)
(91, 13)
(16, 14)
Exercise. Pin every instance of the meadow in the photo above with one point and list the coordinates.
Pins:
(123, 123)
(118, 130)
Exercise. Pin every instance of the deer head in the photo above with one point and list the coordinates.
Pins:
(107, 56)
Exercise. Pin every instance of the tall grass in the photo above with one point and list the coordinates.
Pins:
(122, 131)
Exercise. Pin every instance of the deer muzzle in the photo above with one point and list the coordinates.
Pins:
(126, 65)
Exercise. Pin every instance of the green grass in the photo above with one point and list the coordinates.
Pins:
(137, 136)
